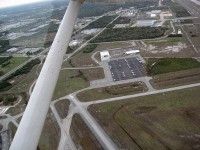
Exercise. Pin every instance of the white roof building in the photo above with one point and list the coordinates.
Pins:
(12, 50)
(179, 31)
(132, 52)
(153, 15)
(74, 43)
(104, 55)
(145, 23)
(121, 26)
(154, 12)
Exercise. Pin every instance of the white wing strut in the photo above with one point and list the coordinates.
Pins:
(30, 128)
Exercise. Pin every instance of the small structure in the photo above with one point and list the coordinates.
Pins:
(74, 43)
(104, 55)
(121, 26)
(179, 31)
(153, 12)
(153, 15)
(90, 31)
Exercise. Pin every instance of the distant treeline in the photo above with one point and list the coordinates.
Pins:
(97, 9)
(123, 34)
(4, 45)
(101, 22)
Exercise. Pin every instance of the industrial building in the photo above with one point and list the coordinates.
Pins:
(146, 23)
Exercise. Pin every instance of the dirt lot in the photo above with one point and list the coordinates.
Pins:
(62, 108)
(162, 121)
(82, 136)
(168, 47)
(112, 91)
(176, 78)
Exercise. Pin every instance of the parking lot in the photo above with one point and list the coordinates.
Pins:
(129, 68)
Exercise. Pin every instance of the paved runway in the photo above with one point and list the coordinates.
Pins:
(123, 69)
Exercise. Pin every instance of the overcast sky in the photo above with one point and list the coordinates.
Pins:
(8, 3)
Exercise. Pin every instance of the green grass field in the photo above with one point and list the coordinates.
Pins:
(62, 108)
(112, 91)
(69, 82)
(177, 78)
(162, 121)
(164, 65)
(82, 136)
(14, 62)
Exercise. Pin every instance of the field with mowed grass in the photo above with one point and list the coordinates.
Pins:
(82, 136)
(161, 121)
(164, 65)
(69, 82)
(112, 91)
(178, 78)
(12, 63)
(62, 108)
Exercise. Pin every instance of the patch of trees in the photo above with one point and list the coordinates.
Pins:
(175, 35)
(180, 11)
(4, 59)
(8, 99)
(4, 45)
(1, 73)
(164, 65)
(48, 44)
(123, 34)
(120, 20)
(187, 21)
(89, 48)
(97, 9)
(69, 50)
(153, 8)
(168, 3)
(101, 22)
(5, 84)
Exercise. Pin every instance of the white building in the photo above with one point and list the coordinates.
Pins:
(74, 43)
(132, 52)
(121, 26)
(104, 55)
(12, 50)
(179, 31)
(153, 15)
(153, 12)
(145, 23)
